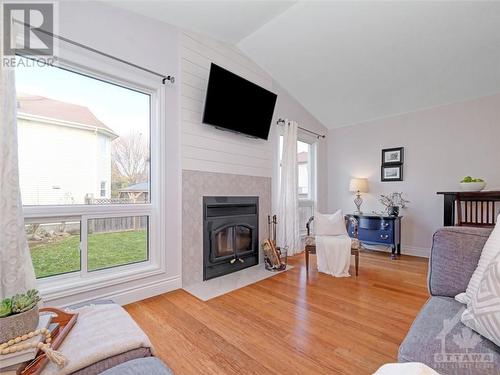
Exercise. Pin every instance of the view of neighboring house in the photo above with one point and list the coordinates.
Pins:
(60, 137)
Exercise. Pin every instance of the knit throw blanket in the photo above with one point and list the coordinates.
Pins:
(334, 255)
(101, 331)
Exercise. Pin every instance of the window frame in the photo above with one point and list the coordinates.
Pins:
(312, 163)
(311, 200)
(67, 284)
(102, 189)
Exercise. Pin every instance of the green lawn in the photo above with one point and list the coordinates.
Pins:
(104, 250)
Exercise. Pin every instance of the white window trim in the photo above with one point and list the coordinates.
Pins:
(311, 201)
(69, 284)
(313, 142)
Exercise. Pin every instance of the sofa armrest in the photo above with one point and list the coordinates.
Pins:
(454, 257)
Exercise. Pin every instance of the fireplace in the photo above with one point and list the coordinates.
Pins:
(230, 234)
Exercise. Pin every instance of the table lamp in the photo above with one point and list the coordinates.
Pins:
(358, 186)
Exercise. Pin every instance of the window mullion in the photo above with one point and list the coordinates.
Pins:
(88, 210)
(84, 245)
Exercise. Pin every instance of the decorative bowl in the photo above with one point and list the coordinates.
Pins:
(473, 186)
(18, 324)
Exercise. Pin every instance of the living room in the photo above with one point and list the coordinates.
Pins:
(250, 187)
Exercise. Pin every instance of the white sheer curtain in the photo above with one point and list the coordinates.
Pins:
(288, 202)
(16, 269)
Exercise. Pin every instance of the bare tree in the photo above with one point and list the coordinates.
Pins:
(130, 158)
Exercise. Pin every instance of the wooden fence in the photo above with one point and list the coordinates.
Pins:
(117, 224)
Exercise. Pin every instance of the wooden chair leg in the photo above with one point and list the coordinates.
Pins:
(307, 260)
(356, 263)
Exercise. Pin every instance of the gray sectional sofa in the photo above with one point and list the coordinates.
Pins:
(437, 336)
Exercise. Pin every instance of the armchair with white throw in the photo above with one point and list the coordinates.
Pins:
(332, 244)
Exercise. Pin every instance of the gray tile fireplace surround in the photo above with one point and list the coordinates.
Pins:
(196, 185)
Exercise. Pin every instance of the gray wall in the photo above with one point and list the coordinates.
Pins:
(442, 145)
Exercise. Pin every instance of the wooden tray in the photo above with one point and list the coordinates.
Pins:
(66, 322)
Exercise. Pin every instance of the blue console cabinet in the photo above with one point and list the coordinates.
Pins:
(379, 230)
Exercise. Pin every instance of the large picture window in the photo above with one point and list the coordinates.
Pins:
(79, 134)
(85, 165)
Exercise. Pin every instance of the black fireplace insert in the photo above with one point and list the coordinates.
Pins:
(230, 234)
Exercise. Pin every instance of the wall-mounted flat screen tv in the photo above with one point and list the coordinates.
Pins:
(238, 105)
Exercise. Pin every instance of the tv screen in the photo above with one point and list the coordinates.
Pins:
(235, 104)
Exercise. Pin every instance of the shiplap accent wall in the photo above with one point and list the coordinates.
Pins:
(204, 147)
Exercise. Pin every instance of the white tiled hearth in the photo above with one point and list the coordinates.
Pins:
(206, 290)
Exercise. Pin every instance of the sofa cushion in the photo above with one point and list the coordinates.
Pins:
(143, 366)
(311, 241)
(438, 338)
(454, 257)
(110, 362)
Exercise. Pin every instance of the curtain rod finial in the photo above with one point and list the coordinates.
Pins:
(171, 79)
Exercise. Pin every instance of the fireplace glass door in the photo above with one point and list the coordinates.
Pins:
(243, 238)
(224, 244)
(230, 240)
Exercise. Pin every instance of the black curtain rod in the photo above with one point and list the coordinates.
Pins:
(164, 78)
(281, 121)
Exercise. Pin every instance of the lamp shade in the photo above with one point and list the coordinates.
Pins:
(358, 184)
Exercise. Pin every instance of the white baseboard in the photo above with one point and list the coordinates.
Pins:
(120, 294)
(146, 291)
(415, 251)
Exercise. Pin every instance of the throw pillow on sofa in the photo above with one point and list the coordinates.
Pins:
(490, 250)
(329, 225)
(483, 312)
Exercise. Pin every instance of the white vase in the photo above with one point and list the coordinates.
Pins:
(473, 186)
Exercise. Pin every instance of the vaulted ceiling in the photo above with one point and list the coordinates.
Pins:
(229, 21)
(350, 62)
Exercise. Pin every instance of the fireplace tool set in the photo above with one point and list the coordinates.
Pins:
(274, 257)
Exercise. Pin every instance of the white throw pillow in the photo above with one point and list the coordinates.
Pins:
(483, 312)
(329, 225)
(409, 368)
(490, 250)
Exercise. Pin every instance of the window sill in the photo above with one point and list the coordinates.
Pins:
(71, 284)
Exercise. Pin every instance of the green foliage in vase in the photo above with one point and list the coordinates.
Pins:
(469, 179)
(5, 307)
(19, 303)
(25, 302)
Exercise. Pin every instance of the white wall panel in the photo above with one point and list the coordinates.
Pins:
(204, 147)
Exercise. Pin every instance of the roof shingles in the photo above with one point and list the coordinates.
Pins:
(62, 111)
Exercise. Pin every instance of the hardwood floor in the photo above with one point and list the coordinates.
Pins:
(291, 323)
